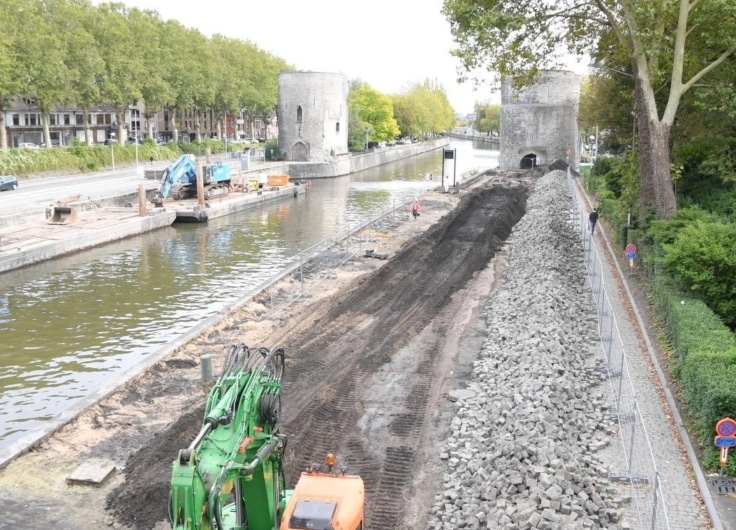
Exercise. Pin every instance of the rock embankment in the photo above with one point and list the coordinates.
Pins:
(522, 452)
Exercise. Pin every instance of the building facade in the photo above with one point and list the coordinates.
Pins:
(312, 116)
(539, 124)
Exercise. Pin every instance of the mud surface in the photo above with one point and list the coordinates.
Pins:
(369, 364)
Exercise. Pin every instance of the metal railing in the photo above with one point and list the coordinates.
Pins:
(638, 471)
(320, 262)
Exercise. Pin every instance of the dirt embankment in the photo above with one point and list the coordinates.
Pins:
(370, 361)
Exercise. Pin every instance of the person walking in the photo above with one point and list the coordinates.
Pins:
(416, 208)
(593, 219)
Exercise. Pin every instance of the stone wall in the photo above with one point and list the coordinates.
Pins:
(540, 122)
(345, 165)
(312, 116)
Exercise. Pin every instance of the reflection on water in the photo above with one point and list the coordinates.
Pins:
(70, 326)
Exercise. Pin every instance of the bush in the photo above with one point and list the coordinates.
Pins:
(702, 261)
(79, 157)
(709, 378)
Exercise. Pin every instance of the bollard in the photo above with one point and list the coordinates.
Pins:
(206, 366)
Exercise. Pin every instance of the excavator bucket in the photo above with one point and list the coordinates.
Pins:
(63, 215)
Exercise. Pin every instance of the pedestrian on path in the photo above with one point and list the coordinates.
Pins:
(593, 219)
(416, 208)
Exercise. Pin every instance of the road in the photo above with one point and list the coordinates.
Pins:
(37, 192)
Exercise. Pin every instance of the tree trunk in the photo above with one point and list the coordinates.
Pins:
(197, 127)
(174, 127)
(149, 124)
(657, 191)
(46, 132)
(122, 129)
(3, 132)
(88, 140)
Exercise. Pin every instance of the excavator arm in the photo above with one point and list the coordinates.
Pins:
(231, 476)
(183, 172)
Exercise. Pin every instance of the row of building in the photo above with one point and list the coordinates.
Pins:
(24, 125)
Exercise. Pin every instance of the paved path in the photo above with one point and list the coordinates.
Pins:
(685, 505)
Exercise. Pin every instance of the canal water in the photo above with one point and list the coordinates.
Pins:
(71, 326)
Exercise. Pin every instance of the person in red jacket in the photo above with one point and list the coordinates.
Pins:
(416, 208)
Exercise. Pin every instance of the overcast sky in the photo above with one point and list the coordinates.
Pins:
(388, 44)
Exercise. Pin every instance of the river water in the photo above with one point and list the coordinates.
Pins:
(71, 326)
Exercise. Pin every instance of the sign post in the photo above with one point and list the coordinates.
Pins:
(726, 437)
(631, 254)
(449, 155)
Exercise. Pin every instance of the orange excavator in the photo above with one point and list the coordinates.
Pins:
(231, 476)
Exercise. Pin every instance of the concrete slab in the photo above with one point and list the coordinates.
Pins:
(26, 244)
(91, 473)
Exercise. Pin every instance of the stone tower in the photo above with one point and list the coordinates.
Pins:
(312, 116)
(539, 124)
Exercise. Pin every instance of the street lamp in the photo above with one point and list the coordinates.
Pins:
(367, 131)
(137, 170)
(113, 134)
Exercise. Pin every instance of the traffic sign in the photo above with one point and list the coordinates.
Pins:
(725, 441)
(631, 251)
(726, 427)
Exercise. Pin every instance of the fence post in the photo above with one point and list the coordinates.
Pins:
(610, 342)
(633, 432)
(656, 490)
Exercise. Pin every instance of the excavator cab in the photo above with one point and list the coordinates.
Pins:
(325, 499)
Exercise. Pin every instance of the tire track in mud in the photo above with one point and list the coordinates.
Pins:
(346, 344)
(359, 335)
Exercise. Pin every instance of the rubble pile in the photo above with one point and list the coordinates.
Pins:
(522, 452)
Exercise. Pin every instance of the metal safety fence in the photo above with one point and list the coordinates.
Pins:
(637, 469)
(312, 267)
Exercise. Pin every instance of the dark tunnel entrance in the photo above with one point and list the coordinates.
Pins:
(529, 161)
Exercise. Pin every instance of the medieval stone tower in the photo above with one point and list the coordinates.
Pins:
(539, 124)
(312, 116)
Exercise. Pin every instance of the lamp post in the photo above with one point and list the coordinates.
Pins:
(137, 170)
(366, 138)
(113, 131)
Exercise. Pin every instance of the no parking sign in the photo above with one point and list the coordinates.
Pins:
(631, 254)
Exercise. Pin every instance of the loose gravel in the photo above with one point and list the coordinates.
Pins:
(523, 447)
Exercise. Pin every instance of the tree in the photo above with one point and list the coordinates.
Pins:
(10, 80)
(86, 66)
(488, 117)
(374, 111)
(666, 43)
(155, 90)
(42, 62)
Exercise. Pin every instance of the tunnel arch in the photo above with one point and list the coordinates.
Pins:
(528, 161)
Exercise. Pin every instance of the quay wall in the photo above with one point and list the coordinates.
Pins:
(346, 165)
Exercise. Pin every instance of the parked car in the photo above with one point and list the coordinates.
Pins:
(27, 145)
(8, 182)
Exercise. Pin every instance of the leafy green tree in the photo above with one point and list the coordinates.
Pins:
(10, 51)
(488, 117)
(122, 80)
(155, 90)
(86, 66)
(606, 110)
(423, 110)
(374, 111)
(703, 261)
(42, 62)
(667, 53)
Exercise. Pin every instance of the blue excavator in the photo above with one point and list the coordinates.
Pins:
(231, 477)
(179, 180)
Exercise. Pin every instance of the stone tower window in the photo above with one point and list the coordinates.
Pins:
(337, 127)
(299, 114)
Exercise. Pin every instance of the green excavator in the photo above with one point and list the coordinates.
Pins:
(231, 477)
